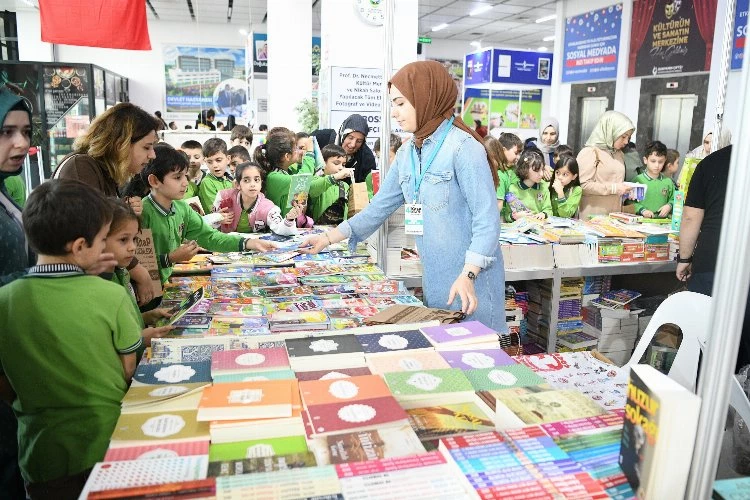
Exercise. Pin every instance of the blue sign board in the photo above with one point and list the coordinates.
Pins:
(515, 66)
(592, 44)
(740, 32)
(477, 67)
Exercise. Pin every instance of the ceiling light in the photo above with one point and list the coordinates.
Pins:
(550, 38)
(546, 18)
(541, 49)
(476, 44)
(481, 10)
(243, 32)
(440, 27)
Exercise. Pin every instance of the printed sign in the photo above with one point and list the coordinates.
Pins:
(146, 255)
(740, 32)
(357, 90)
(477, 67)
(476, 106)
(671, 37)
(515, 66)
(592, 42)
(260, 53)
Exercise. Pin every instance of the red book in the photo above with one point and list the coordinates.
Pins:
(389, 464)
(166, 450)
(348, 416)
(478, 439)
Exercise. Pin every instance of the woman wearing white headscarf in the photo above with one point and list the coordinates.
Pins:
(704, 149)
(601, 165)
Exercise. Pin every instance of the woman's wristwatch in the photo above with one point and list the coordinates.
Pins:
(471, 275)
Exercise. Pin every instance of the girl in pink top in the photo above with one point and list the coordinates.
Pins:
(249, 210)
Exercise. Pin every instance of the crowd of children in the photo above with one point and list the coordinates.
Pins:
(523, 190)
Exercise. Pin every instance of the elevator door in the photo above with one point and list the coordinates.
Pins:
(592, 108)
(673, 119)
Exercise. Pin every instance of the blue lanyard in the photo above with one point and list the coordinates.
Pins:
(418, 181)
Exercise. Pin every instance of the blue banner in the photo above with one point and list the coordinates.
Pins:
(515, 66)
(477, 67)
(740, 32)
(592, 43)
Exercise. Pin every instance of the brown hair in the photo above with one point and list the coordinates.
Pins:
(111, 134)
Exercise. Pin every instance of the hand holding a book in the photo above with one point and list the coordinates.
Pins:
(624, 190)
(184, 252)
(315, 244)
(292, 214)
(648, 214)
(259, 245)
(151, 317)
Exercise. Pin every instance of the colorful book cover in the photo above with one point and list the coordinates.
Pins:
(166, 450)
(246, 400)
(434, 422)
(609, 419)
(127, 474)
(333, 344)
(139, 395)
(394, 300)
(197, 321)
(352, 312)
(502, 377)
(346, 323)
(299, 188)
(472, 359)
(252, 376)
(339, 373)
(177, 350)
(243, 360)
(185, 306)
(315, 392)
(298, 320)
(242, 326)
(261, 464)
(364, 445)
(406, 361)
(466, 332)
(427, 382)
(236, 308)
(314, 483)
(347, 416)
(257, 448)
(145, 428)
(389, 287)
(293, 306)
(549, 406)
(339, 303)
(376, 343)
(172, 373)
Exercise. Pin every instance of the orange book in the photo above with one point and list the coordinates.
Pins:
(247, 400)
(316, 392)
(296, 409)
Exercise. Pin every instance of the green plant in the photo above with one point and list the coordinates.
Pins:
(307, 114)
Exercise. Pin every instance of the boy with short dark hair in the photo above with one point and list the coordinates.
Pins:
(673, 165)
(241, 136)
(660, 189)
(215, 154)
(65, 364)
(237, 155)
(331, 206)
(562, 149)
(177, 229)
(194, 151)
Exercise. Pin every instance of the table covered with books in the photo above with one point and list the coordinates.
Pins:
(279, 381)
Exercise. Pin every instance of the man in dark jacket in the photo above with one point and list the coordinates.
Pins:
(352, 135)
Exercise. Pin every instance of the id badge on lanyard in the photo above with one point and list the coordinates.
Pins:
(413, 212)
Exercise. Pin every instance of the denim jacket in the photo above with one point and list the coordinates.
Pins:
(461, 220)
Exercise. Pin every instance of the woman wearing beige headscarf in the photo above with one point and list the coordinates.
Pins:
(601, 165)
(443, 176)
(704, 149)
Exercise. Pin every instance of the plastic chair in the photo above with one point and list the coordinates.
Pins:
(689, 311)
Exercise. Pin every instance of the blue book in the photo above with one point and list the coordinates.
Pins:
(172, 373)
(250, 376)
(376, 343)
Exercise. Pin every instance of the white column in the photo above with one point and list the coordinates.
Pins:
(289, 60)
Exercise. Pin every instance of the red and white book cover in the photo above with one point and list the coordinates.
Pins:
(390, 464)
(243, 360)
(346, 416)
(468, 440)
(316, 392)
(166, 450)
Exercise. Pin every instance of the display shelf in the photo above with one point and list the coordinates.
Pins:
(528, 274)
(617, 269)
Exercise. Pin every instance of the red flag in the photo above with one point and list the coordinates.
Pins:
(115, 24)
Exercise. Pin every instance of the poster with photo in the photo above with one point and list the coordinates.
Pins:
(259, 47)
(504, 109)
(531, 109)
(671, 37)
(200, 78)
(476, 106)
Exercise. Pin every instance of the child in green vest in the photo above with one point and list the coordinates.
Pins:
(275, 157)
(331, 207)
(177, 229)
(659, 192)
(565, 188)
(529, 195)
(68, 342)
(121, 243)
(217, 161)
(502, 154)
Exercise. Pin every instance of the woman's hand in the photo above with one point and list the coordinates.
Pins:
(622, 189)
(684, 271)
(184, 252)
(135, 204)
(314, 244)
(464, 288)
(259, 245)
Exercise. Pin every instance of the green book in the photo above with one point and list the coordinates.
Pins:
(503, 377)
(261, 464)
(250, 376)
(299, 189)
(257, 448)
(446, 385)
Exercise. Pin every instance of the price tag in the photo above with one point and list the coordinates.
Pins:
(413, 220)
